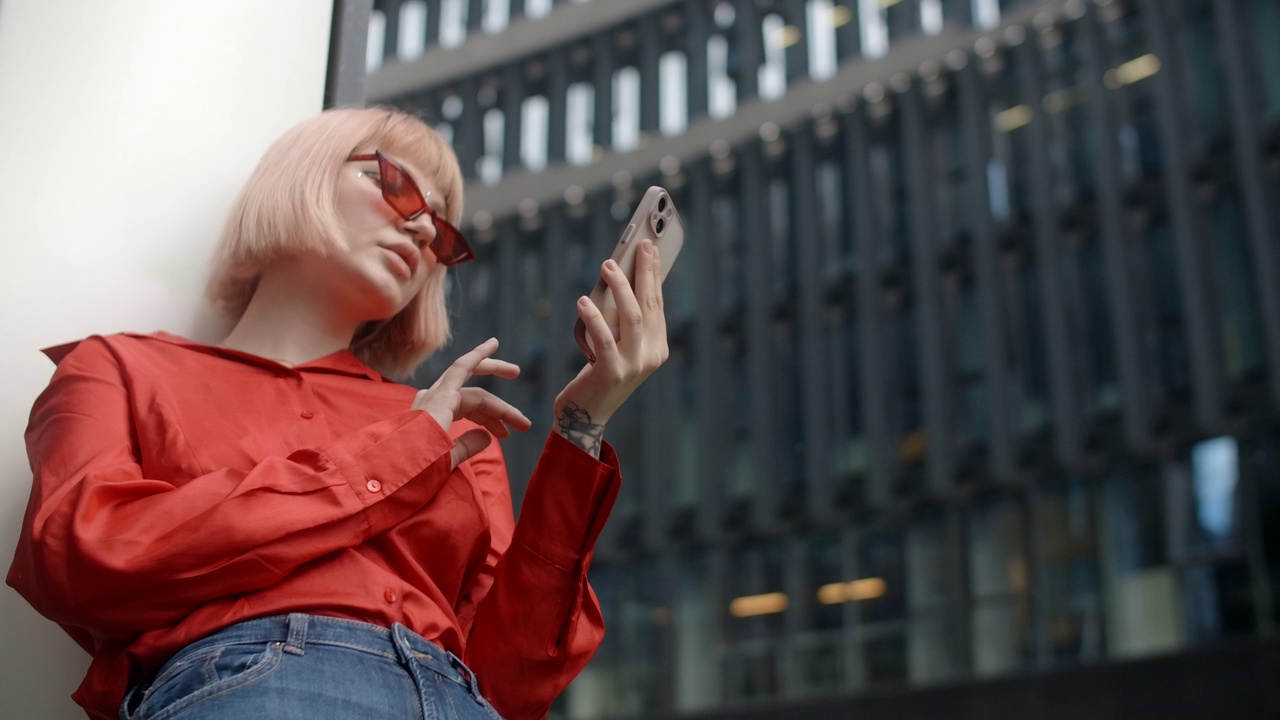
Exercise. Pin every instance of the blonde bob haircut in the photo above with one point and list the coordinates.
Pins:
(287, 207)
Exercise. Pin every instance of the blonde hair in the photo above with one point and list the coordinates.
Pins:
(287, 207)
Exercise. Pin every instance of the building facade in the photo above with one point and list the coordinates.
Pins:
(974, 393)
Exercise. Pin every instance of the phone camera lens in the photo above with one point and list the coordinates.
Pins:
(660, 226)
(662, 204)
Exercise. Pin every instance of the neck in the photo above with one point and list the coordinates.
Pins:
(285, 323)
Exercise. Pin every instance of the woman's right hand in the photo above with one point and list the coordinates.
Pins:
(448, 399)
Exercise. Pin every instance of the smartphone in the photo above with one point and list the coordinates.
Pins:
(655, 218)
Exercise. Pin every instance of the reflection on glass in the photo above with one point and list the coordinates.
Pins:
(1215, 465)
(998, 584)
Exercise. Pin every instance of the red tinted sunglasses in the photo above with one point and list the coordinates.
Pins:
(403, 195)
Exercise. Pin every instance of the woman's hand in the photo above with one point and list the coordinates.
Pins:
(447, 400)
(621, 366)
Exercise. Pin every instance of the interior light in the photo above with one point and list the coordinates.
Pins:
(789, 35)
(1139, 68)
(841, 15)
(1013, 118)
(864, 589)
(752, 605)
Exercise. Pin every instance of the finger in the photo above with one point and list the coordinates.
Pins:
(457, 374)
(606, 347)
(645, 278)
(468, 445)
(656, 319)
(499, 368)
(630, 319)
(477, 404)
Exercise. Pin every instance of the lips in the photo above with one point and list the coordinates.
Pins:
(407, 253)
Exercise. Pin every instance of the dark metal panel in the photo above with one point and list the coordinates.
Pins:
(815, 384)
(849, 35)
(1126, 330)
(881, 463)
(926, 282)
(602, 78)
(749, 44)
(431, 29)
(557, 97)
(512, 99)
(649, 52)
(1063, 386)
(985, 260)
(1188, 231)
(468, 129)
(757, 328)
(1247, 147)
(348, 43)
(697, 29)
(797, 54)
(391, 11)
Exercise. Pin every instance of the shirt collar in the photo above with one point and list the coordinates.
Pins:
(342, 362)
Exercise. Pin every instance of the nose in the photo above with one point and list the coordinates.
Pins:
(421, 228)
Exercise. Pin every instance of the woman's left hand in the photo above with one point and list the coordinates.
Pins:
(622, 365)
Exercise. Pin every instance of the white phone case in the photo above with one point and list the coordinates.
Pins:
(655, 218)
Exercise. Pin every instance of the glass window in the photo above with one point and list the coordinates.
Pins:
(1241, 327)
(1028, 371)
(1143, 612)
(788, 400)
(906, 409)
(741, 482)
(818, 650)
(726, 225)
(832, 204)
(1069, 605)
(889, 191)
(968, 355)
(781, 241)
(1092, 293)
(534, 118)
(695, 637)
(689, 438)
(849, 457)
(1260, 469)
(882, 615)
(754, 621)
(1158, 271)
(1266, 25)
(933, 634)
(999, 586)
(1208, 90)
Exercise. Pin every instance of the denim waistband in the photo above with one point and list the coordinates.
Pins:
(297, 631)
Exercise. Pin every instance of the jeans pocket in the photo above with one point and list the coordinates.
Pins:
(205, 675)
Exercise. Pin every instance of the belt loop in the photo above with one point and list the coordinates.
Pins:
(297, 642)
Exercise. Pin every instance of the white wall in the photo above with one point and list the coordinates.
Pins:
(126, 127)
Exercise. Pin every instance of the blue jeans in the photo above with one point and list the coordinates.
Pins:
(306, 667)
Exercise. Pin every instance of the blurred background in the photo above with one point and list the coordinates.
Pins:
(973, 408)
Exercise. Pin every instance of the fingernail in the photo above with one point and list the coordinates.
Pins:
(583, 301)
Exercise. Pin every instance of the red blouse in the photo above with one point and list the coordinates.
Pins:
(179, 488)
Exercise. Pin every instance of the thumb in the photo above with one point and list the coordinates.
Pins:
(468, 444)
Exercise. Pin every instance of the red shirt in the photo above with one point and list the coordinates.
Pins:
(179, 488)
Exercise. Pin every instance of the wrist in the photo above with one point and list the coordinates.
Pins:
(577, 425)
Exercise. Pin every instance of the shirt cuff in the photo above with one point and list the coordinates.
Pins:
(568, 500)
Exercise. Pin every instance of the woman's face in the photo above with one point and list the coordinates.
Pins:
(387, 259)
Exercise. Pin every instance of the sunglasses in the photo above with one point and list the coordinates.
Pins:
(403, 195)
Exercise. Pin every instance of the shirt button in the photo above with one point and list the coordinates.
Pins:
(373, 486)
(390, 595)
(307, 414)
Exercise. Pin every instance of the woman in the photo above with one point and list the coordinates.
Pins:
(268, 527)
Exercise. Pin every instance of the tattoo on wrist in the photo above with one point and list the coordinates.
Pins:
(576, 427)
